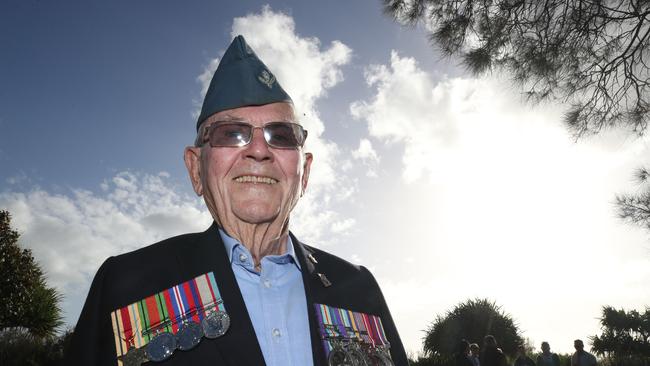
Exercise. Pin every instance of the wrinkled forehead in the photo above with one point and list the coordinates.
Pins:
(274, 112)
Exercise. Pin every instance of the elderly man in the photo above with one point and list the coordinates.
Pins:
(246, 291)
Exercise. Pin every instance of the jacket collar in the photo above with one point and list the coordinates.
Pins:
(241, 333)
(239, 345)
(313, 285)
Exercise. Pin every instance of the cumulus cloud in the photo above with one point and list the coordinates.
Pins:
(448, 125)
(72, 233)
(492, 180)
(204, 79)
(367, 155)
(307, 70)
(409, 108)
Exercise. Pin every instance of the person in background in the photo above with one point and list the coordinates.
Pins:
(547, 358)
(462, 354)
(491, 355)
(582, 357)
(474, 354)
(522, 358)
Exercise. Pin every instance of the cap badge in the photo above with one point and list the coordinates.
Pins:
(266, 78)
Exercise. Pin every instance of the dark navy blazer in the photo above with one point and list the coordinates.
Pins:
(130, 277)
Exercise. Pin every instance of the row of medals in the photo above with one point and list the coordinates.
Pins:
(354, 352)
(163, 344)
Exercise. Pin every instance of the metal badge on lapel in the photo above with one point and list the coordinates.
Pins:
(352, 338)
(323, 279)
(153, 328)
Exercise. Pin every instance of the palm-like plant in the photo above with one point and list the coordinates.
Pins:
(471, 320)
(27, 301)
(624, 333)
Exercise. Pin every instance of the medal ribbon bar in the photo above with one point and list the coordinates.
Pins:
(336, 323)
(136, 324)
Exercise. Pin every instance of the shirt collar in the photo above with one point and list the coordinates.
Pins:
(231, 244)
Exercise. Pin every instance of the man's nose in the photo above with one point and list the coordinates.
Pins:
(258, 149)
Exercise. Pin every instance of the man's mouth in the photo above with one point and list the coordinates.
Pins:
(255, 179)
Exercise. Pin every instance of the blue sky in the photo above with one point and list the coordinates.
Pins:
(446, 186)
(127, 71)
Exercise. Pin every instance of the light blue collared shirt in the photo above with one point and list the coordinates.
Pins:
(276, 303)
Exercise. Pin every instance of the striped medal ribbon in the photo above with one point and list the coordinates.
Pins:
(352, 337)
(176, 318)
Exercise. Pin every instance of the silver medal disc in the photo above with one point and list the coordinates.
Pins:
(377, 359)
(161, 347)
(134, 357)
(356, 358)
(189, 336)
(215, 324)
(338, 357)
(382, 355)
(387, 361)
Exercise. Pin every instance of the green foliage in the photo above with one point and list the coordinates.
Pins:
(27, 301)
(565, 359)
(625, 334)
(19, 348)
(635, 208)
(434, 360)
(622, 361)
(471, 320)
(589, 54)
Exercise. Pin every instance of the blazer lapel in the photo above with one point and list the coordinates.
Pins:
(313, 285)
(239, 345)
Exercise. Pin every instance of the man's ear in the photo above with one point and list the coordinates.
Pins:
(192, 156)
(305, 172)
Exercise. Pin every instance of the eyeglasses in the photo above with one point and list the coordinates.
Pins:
(279, 135)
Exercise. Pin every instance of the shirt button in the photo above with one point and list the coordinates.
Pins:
(243, 258)
(267, 283)
(277, 333)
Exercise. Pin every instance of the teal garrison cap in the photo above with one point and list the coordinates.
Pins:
(241, 80)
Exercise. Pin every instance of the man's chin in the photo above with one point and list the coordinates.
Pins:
(255, 215)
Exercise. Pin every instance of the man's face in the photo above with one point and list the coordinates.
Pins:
(546, 348)
(578, 345)
(254, 183)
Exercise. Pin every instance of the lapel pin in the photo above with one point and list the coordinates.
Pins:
(324, 280)
(312, 259)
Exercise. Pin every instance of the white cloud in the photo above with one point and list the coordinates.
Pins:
(306, 70)
(409, 108)
(499, 202)
(368, 156)
(342, 226)
(365, 152)
(204, 79)
(71, 234)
